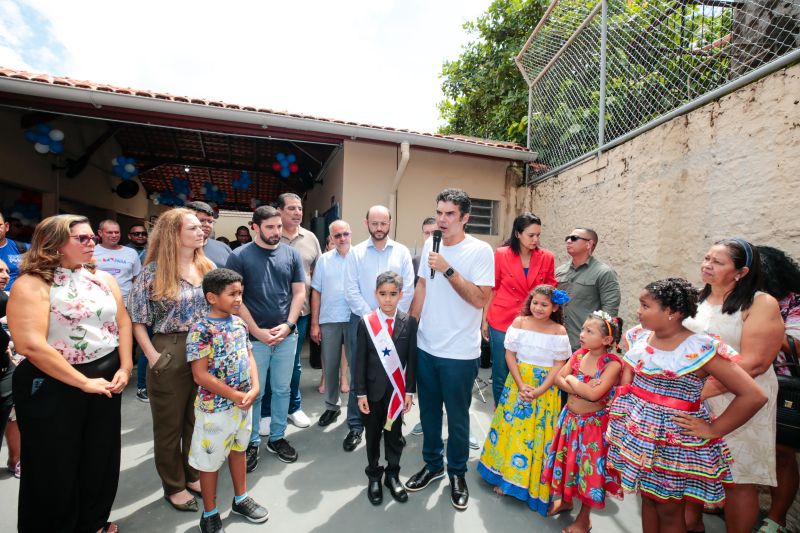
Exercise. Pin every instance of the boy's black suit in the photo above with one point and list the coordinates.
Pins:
(371, 381)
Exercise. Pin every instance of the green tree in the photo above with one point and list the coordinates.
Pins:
(484, 94)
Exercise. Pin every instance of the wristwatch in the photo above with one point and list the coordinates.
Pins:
(292, 326)
(449, 272)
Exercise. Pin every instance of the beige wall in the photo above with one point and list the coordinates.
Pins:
(369, 169)
(659, 201)
(331, 185)
(21, 166)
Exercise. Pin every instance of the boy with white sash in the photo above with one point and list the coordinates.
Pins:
(386, 357)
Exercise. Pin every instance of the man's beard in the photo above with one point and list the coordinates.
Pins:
(374, 234)
(272, 241)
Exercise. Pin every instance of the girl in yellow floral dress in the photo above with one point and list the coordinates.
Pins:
(523, 425)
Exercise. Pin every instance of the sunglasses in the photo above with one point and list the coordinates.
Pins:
(573, 238)
(84, 238)
(342, 234)
(138, 234)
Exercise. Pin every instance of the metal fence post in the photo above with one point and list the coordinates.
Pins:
(601, 133)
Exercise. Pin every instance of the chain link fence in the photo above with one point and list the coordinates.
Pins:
(602, 71)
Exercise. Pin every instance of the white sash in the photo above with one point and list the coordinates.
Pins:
(387, 353)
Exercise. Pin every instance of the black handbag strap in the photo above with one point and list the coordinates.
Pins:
(792, 356)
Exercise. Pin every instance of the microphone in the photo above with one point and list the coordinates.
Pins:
(437, 240)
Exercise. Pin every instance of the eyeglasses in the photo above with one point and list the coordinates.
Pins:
(342, 234)
(84, 238)
(138, 234)
(573, 238)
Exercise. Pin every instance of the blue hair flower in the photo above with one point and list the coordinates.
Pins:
(560, 297)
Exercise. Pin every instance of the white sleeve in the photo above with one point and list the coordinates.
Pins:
(408, 281)
(352, 292)
(482, 271)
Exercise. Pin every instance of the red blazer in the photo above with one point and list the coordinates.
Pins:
(511, 286)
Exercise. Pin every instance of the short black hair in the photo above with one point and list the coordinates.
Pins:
(242, 227)
(219, 278)
(264, 212)
(592, 235)
(389, 277)
(780, 272)
(676, 294)
(520, 223)
(458, 196)
(281, 202)
(428, 221)
(200, 207)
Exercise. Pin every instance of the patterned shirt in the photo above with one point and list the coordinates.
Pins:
(225, 342)
(165, 316)
(790, 312)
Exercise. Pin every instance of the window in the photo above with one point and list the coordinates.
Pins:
(483, 217)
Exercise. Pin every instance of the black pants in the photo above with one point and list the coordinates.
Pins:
(373, 428)
(70, 449)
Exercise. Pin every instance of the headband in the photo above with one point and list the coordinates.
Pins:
(606, 318)
(748, 251)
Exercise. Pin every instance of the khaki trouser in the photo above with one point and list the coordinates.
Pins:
(172, 391)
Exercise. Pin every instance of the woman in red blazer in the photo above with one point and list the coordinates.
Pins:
(519, 266)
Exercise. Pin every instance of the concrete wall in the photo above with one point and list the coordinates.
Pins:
(22, 167)
(660, 200)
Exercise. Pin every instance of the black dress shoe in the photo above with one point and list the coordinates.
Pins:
(459, 493)
(351, 441)
(402, 441)
(396, 488)
(423, 478)
(375, 492)
(328, 416)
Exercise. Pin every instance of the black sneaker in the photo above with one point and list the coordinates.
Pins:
(249, 509)
(212, 524)
(141, 395)
(285, 452)
(252, 457)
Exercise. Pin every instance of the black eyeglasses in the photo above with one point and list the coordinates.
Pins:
(138, 234)
(342, 234)
(84, 238)
(573, 238)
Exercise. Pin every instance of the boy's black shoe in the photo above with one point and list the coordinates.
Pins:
(249, 509)
(351, 440)
(283, 449)
(328, 417)
(252, 457)
(459, 493)
(396, 488)
(375, 492)
(423, 478)
(212, 524)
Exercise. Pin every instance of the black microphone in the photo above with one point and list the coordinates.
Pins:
(437, 240)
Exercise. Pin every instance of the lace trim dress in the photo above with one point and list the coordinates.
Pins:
(651, 452)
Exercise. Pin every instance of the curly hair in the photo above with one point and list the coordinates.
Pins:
(676, 294)
(43, 257)
(781, 273)
(545, 290)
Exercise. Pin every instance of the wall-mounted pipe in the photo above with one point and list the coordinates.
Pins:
(405, 155)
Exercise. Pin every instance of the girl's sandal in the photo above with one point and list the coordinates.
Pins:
(771, 526)
(110, 527)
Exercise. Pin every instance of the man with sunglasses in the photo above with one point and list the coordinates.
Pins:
(215, 250)
(137, 240)
(119, 261)
(591, 284)
(330, 316)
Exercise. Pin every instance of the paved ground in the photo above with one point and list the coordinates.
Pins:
(325, 490)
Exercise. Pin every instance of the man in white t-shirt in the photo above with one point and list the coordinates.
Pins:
(120, 261)
(449, 307)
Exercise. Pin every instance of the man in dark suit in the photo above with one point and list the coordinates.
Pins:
(381, 397)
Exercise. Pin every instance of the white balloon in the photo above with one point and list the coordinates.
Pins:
(114, 162)
(41, 148)
(130, 168)
(56, 135)
(182, 196)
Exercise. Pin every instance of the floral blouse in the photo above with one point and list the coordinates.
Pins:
(165, 316)
(83, 316)
(790, 311)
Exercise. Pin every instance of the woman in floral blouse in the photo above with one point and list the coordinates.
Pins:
(169, 299)
(70, 323)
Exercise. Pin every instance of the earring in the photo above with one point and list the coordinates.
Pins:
(670, 317)
(736, 278)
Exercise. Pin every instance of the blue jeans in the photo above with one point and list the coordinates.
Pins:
(445, 382)
(294, 396)
(497, 340)
(277, 361)
(141, 370)
(354, 422)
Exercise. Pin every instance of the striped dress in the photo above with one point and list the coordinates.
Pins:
(651, 453)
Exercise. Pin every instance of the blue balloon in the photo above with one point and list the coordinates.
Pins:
(285, 173)
(43, 138)
(292, 158)
(56, 147)
(280, 157)
(31, 136)
(43, 128)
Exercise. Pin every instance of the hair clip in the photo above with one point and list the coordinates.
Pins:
(602, 315)
(559, 297)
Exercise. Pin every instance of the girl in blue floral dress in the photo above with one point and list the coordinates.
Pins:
(662, 439)
(523, 425)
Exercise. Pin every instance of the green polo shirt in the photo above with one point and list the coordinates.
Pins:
(591, 287)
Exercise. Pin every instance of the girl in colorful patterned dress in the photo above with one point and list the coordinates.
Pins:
(576, 464)
(662, 439)
(523, 425)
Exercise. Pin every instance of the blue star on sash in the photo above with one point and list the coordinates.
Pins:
(386, 352)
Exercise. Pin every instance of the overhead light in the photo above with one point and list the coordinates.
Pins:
(187, 169)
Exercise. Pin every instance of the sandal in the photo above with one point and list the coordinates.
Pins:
(771, 526)
(110, 527)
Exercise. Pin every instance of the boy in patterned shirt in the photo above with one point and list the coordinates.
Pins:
(219, 351)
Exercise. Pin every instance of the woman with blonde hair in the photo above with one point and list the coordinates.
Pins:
(70, 324)
(168, 298)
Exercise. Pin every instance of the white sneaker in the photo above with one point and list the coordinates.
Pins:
(417, 430)
(263, 426)
(473, 442)
(299, 419)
